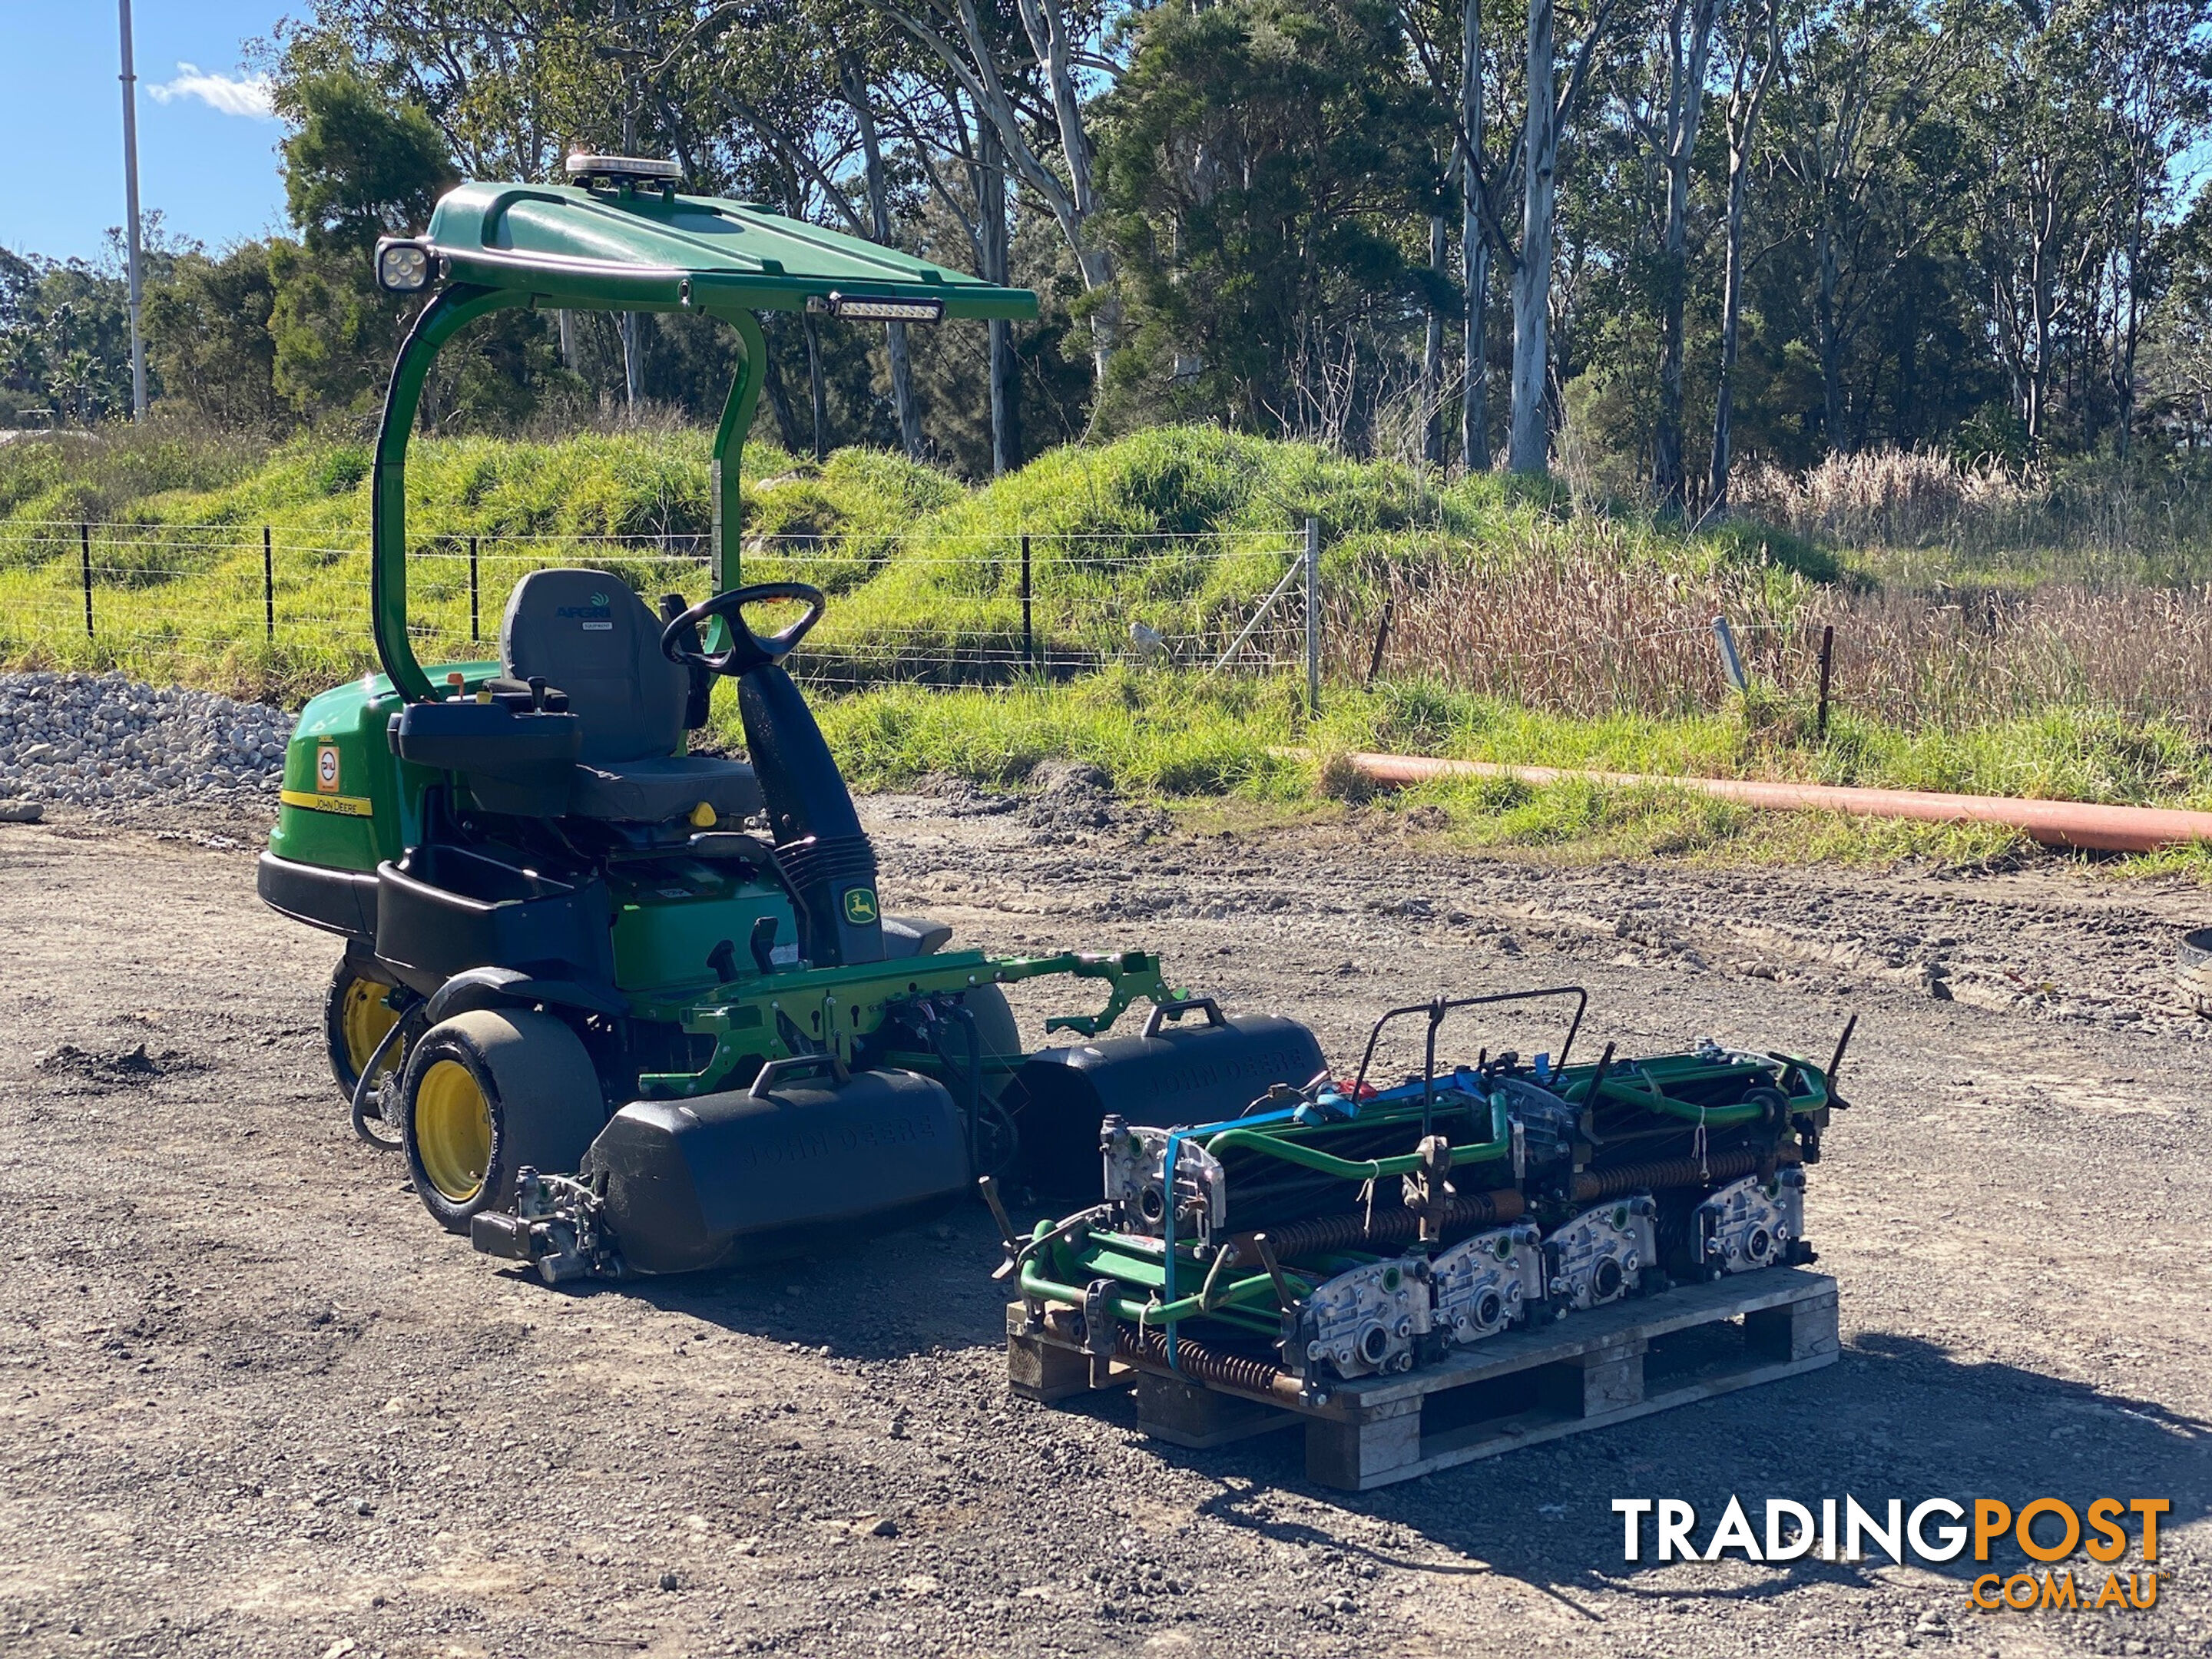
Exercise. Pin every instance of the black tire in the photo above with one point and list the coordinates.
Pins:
(354, 1018)
(538, 1098)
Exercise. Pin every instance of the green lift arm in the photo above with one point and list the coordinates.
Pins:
(629, 242)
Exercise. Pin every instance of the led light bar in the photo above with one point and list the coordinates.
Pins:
(655, 167)
(862, 309)
(403, 267)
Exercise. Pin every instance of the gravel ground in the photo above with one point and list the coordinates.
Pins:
(109, 743)
(253, 1403)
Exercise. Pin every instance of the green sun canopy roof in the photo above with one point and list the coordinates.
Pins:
(627, 246)
(642, 249)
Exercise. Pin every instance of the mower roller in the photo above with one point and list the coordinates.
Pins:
(625, 1008)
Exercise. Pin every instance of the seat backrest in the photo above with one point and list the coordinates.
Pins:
(589, 634)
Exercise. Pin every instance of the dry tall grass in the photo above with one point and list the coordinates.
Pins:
(1591, 637)
(1889, 497)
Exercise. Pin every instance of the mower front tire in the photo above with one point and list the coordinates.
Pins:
(356, 1016)
(485, 1093)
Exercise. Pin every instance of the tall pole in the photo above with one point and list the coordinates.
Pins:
(130, 209)
(1313, 618)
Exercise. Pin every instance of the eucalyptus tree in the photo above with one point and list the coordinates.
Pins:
(1751, 46)
(1033, 76)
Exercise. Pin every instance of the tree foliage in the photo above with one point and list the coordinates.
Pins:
(1960, 224)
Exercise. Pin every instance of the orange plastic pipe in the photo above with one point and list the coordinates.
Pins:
(2054, 822)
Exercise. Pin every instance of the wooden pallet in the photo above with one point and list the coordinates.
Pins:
(1589, 1370)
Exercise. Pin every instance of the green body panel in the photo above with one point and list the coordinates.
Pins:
(351, 720)
(668, 924)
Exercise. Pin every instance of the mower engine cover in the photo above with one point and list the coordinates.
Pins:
(745, 1176)
(1172, 1075)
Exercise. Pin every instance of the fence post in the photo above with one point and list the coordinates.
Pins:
(268, 587)
(474, 635)
(84, 552)
(1029, 636)
(1731, 663)
(1313, 618)
(1382, 639)
(1827, 658)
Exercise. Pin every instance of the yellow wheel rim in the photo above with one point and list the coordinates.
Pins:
(453, 1130)
(364, 1019)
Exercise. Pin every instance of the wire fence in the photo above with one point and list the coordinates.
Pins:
(286, 608)
(279, 611)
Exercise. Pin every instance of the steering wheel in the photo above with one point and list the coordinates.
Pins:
(746, 650)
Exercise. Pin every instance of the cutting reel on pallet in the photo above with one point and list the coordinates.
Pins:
(1341, 1230)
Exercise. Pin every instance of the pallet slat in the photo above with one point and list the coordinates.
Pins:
(1611, 1364)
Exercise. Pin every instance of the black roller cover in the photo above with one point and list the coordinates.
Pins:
(1191, 1073)
(731, 1178)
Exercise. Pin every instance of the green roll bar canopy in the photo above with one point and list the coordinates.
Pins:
(631, 242)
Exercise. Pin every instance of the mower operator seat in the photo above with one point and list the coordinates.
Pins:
(588, 634)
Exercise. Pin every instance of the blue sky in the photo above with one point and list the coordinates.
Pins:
(206, 156)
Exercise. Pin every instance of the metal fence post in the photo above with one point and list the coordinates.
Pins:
(1313, 617)
(1029, 636)
(1827, 659)
(474, 635)
(268, 587)
(84, 552)
(1381, 641)
(1731, 661)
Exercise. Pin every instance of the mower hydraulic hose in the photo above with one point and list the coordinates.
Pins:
(361, 1088)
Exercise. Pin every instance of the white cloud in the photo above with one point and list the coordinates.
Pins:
(233, 95)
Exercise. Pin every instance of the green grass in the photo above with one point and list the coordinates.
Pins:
(1162, 735)
(1183, 528)
(1196, 523)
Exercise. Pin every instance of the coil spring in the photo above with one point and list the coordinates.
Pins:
(1354, 1227)
(1673, 1172)
(1195, 1359)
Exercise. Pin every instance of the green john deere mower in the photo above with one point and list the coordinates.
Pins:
(626, 1008)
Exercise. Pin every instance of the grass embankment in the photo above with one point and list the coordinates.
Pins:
(1202, 744)
(1182, 529)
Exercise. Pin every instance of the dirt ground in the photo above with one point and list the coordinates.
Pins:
(253, 1403)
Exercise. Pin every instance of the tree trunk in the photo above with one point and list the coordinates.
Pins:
(817, 387)
(994, 241)
(778, 400)
(1432, 355)
(975, 63)
(1474, 250)
(2132, 335)
(1530, 447)
(1743, 129)
(879, 217)
(1686, 98)
(632, 369)
(1829, 343)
